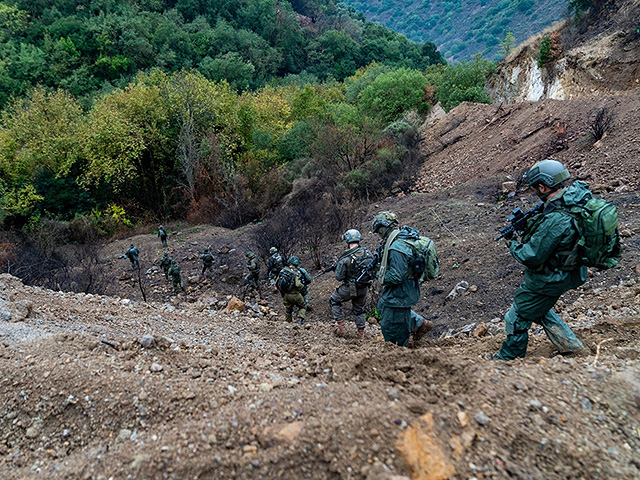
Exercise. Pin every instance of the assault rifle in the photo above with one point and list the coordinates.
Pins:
(330, 268)
(518, 221)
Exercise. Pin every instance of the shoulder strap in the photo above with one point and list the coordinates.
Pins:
(385, 256)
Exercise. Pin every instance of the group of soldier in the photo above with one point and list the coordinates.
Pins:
(550, 237)
(551, 234)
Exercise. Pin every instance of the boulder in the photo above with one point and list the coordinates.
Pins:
(235, 305)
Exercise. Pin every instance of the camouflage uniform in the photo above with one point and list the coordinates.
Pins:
(546, 245)
(165, 264)
(400, 290)
(276, 263)
(349, 290)
(305, 278)
(176, 277)
(162, 234)
(207, 261)
(252, 279)
(133, 255)
(294, 298)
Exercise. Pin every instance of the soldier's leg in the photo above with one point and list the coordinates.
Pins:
(357, 308)
(560, 334)
(528, 307)
(340, 295)
(395, 323)
(288, 307)
(298, 300)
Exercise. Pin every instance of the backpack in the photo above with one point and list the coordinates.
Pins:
(360, 260)
(598, 243)
(287, 281)
(425, 264)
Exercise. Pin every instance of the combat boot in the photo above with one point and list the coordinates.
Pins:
(340, 330)
(423, 329)
(361, 334)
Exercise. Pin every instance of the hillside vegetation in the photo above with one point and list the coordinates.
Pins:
(462, 29)
(122, 113)
(90, 47)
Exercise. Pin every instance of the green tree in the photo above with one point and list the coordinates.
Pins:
(393, 93)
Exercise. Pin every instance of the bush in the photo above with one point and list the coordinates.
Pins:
(550, 49)
(464, 82)
(391, 94)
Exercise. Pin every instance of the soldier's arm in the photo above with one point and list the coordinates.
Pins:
(543, 242)
(398, 268)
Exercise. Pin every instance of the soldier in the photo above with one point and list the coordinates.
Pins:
(252, 279)
(165, 264)
(207, 262)
(353, 287)
(162, 233)
(276, 263)
(400, 287)
(176, 277)
(133, 255)
(289, 283)
(549, 239)
(305, 278)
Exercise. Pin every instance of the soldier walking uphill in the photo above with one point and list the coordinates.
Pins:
(349, 271)
(277, 261)
(407, 259)
(133, 255)
(289, 284)
(176, 277)
(555, 257)
(162, 234)
(252, 279)
(207, 262)
(165, 264)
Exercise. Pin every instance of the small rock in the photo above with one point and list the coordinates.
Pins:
(155, 367)
(481, 330)
(392, 393)
(235, 305)
(586, 404)
(509, 186)
(124, 435)
(463, 419)
(147, 341)
(265, 387)
(481, 418)
(535, 403)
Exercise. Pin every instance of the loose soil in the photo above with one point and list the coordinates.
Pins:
(217, 393)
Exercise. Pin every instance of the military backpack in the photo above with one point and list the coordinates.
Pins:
(598, 243)
(288, 281)
(358, 270)
(425, 264)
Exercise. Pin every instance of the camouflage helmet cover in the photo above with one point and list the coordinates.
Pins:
(384, 219)
(250, 254)
(549, 172)
(293, 260)
(273, 250)
(352, 235)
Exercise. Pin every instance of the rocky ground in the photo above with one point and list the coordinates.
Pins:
(202, 385)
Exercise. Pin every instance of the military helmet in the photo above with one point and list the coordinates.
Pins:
(384, 219)
(250, 254)
(166, 254)
(293, 260)
(549, 172)
(173, 262)
(352, 235)
(273, 250)
(206, 250)
(131, 245)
